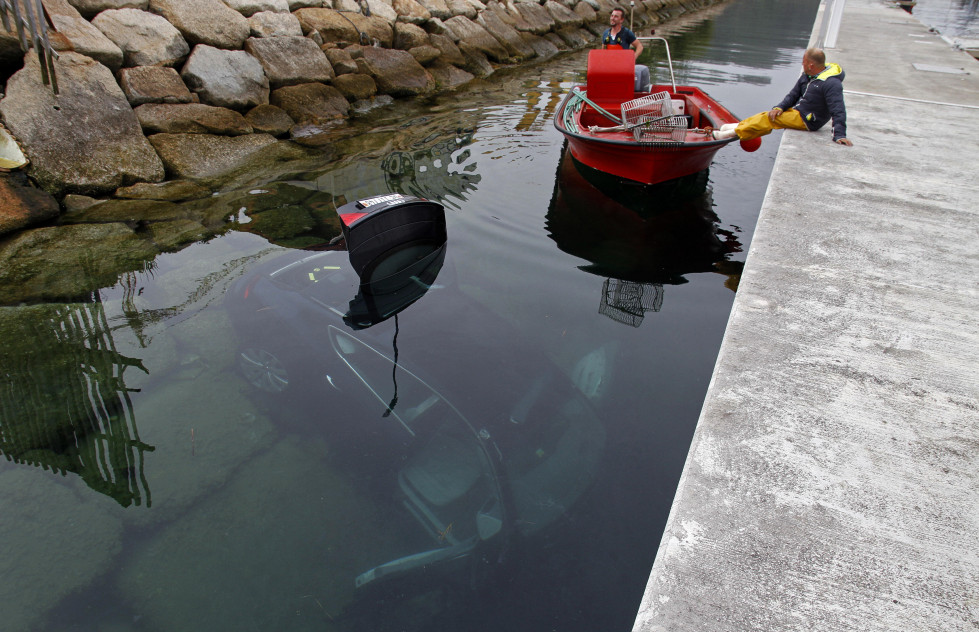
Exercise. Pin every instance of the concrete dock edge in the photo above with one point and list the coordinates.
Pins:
(833, 479)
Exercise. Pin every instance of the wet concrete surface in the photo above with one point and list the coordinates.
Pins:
(832, 480)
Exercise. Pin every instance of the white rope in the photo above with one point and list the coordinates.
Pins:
(888, 96)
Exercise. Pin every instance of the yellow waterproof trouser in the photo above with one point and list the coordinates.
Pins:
(759, 125)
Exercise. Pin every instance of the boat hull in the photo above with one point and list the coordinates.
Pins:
(619, 154)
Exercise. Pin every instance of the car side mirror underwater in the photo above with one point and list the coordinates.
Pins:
(489, 523)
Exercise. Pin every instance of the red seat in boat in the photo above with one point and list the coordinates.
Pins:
(611, 81)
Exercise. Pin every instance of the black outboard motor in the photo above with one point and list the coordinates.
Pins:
(376, 225)
(396, 244)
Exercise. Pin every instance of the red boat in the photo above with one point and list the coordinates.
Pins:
(648, 134)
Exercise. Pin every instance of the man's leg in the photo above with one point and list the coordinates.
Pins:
(761, 125)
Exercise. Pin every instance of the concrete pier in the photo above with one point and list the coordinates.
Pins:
(833, 480)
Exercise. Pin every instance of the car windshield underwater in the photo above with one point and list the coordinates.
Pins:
(455, 453)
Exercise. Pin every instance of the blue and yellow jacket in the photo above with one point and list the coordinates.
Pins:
(820, 99)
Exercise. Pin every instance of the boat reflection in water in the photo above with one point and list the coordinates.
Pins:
(640, 237)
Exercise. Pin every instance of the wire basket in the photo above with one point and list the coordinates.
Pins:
(647, 108)
(653, 120)
(628, 301)
(667, 131)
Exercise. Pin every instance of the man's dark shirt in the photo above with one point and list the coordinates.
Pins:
(624, 38)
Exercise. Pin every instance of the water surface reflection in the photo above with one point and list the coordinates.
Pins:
(65, 405)
(261, 517)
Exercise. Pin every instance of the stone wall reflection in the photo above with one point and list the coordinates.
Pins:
(64, 405)
(438, 167)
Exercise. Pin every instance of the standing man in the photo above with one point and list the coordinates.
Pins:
(816, 98)
(619, 36)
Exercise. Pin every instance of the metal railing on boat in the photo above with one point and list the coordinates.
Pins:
(669, 59)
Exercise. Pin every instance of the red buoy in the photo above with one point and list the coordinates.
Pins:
(751, 144)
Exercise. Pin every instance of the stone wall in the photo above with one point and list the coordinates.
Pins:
(163, 90)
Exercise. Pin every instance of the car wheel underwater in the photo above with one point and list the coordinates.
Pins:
(263, 369)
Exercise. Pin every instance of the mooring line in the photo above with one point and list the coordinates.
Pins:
(889, 96)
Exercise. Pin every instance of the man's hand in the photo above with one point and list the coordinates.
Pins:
(773, 114)
(844, 141)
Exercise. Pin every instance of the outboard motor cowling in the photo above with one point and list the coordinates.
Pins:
(376, 225)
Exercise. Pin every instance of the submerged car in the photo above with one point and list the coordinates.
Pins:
(475, 438)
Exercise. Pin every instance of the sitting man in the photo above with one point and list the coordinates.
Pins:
(618, 36)
(816, 98)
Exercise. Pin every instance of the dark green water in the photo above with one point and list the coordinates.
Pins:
(146, 486)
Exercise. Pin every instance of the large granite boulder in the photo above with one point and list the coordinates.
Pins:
(448, 77)
(124, 211)
(311, 103)
(437, 8)
(411, 11)
(172, 190)
(539, 18)
(382, 9)
(22, 205)
(462, 7)
(224, 160)
(208, 22)
(476, 36)
(84, 38)
(425, 55)
(397, 73)
(587, 12)
(341, 61)
(91, 8)
(355, 86)
(346, 28)
(574, 37)
(153, 84)
(563, 16)
(543, 48)
(271, 24)
(408, 36)
(251, 7)
(191, 118)
(226, 78)
(505, 34)
(86, 139)
(269, 119)
(146, 39)
(289, 61)
(450, 52)
(556, 40)
(476, 61)
(509, 14)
